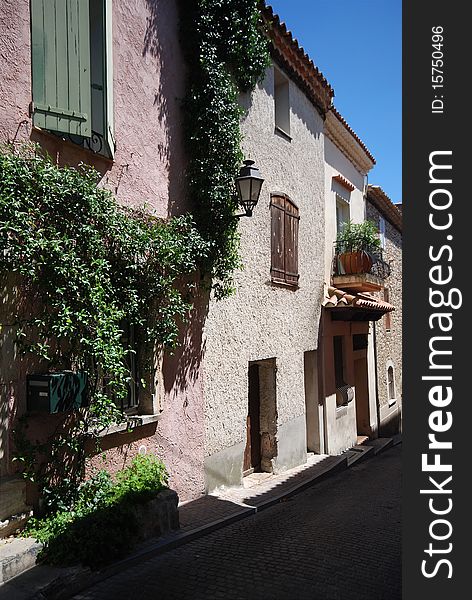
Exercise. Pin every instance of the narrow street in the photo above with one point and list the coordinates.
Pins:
(338, 540)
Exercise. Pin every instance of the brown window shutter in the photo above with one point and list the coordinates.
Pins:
(388, 316)
(277, 213)
(291, 243)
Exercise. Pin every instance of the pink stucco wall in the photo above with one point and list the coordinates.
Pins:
(148, 168)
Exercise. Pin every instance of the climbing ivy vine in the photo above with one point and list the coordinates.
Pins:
(84, 265)
(227, 53)
(81, 266)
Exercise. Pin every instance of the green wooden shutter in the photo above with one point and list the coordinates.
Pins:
(109, 125)
(61, 65)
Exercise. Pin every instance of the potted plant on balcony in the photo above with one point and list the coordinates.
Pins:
(356, 246)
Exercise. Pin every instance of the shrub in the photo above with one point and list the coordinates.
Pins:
(355, 237)
(101, 527)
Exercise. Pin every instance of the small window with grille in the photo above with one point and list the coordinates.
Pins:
(391, 386)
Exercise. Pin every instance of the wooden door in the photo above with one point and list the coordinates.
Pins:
(252, 452)
(362, 395)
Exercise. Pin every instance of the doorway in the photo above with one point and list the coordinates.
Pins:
(313, 410)
(361, 382)
(261, 420)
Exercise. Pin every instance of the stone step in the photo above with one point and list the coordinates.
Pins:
(16, 556)
(358, 453)
(380, 444)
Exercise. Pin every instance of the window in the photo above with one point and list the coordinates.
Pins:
(388, 316)
(72, 71)
(344, 392)
(282, 102)
(284, 240)
(342, 212)
(128, 341)
(391, 386)
(382, 231)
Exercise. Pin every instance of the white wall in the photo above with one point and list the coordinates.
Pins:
(263, 320)
(336, 163)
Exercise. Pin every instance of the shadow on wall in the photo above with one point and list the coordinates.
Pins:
(14, 365)
(161, 42)
(64, 153)
(392, 424)
(299, 105)
(177, 436)
(181, 368)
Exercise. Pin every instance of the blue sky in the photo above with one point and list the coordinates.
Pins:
(357, 46)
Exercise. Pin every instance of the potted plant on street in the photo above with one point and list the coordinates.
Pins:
(356, 247)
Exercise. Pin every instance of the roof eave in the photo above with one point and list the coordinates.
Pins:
(287, 52)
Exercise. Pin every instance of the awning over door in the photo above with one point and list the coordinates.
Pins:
(354, 307)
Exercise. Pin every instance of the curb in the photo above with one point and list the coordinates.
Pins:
(63, 588)
(340, 465)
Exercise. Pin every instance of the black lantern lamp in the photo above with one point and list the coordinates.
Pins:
(249, 185)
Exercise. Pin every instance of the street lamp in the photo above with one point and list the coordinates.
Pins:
(249, 185)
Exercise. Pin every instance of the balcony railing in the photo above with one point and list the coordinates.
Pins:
(359, 270)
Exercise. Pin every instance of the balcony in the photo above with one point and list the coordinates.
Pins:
(360, 271)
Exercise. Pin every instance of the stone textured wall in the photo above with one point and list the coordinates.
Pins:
(148, 167)
(263, 320)
(389, 343)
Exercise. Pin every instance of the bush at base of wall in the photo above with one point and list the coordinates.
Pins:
(109, 516)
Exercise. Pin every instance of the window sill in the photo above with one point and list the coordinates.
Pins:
(135, 421)
(61, 140)
(284, 284)
(392, 402)
(283, 134)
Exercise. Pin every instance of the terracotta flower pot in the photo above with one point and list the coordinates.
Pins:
(356, 262)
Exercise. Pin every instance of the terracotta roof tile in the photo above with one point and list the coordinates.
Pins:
(287, 49)
(377, 197)
(335, 297)
(344, 182)
(352, 132)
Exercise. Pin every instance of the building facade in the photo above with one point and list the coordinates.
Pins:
(256, 341)
(134, 139)
(388, 330)
(285, 366)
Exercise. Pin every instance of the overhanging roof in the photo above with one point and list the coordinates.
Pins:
(377, 197)
(355, 307)
(287, 51)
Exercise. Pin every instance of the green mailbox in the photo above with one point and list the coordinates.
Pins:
(56, 392)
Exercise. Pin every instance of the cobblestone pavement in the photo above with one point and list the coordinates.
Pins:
(338, 540)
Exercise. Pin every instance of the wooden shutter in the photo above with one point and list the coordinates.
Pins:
(277, 213)
(284, 243)
(61, 65)
(291, 243)
(109, 121)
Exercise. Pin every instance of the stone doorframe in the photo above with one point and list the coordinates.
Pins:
(267, 412)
